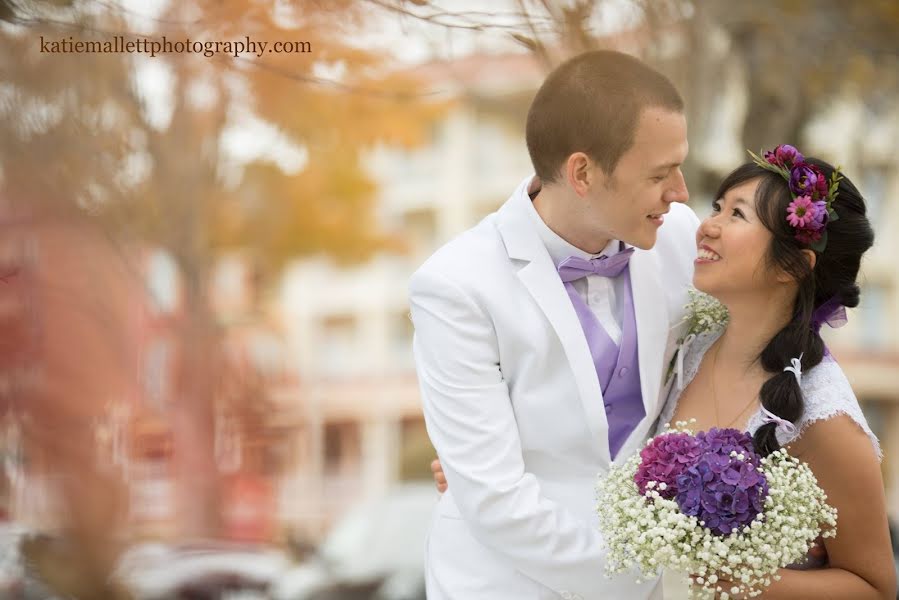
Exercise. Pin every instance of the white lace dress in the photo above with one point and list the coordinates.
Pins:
(826, 393)
(825, 390)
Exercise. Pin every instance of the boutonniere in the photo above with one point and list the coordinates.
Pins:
(704, 314)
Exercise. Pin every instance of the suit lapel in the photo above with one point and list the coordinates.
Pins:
(540, 278)
(650, 310)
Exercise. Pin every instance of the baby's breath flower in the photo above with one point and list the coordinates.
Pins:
(651, 534)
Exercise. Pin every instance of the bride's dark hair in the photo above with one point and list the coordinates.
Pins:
(833, 276)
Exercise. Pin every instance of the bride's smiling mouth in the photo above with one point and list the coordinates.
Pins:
(706, 255)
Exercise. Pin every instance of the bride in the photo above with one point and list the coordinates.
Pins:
(781, 250)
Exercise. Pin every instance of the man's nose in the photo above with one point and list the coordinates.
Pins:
(678, 192)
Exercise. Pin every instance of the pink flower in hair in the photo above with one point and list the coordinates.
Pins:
(802, 212)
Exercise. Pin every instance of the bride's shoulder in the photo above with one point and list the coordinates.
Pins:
(825, 385)
(827, 395)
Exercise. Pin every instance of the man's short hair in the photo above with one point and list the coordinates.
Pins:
(592, 104)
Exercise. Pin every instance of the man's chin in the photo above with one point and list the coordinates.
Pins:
(643, 242)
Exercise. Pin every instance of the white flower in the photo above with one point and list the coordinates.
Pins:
(704, 314)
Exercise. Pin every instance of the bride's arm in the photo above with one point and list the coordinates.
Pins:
(861, 557)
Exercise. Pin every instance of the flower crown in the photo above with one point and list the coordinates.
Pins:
(813, 195)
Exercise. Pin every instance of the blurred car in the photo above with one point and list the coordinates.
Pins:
(375, 552)
(206, 570)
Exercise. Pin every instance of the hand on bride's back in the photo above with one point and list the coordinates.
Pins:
(439, 477)
(818, 554)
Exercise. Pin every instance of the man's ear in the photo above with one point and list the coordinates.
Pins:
(580, 172)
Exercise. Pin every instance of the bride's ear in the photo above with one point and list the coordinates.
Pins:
(811, 257)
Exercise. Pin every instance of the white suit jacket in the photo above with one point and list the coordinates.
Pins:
(513, 406)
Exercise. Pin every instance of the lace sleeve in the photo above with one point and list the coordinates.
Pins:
(826, 393)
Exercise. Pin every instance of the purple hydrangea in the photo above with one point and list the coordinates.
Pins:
(664, 459)
(784, 155)
(726, 441)
(724, 492)
(808, 180)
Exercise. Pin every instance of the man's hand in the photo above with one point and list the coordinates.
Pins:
(439, 477)
(818, 554)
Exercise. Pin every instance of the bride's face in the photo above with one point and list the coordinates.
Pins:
(732, 246)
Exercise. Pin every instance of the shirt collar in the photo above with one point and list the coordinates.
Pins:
(559, 249)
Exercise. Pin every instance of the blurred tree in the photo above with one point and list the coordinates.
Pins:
(795, 56)
(799, 54)
(81, 135)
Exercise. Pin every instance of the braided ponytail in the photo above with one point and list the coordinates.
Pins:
(833, 276)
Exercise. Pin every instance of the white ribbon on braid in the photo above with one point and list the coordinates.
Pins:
(769, 417)
(796, 367)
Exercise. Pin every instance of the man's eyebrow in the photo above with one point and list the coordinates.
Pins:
(666, 166)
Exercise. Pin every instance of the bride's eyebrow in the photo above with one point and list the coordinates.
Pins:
(737, 200)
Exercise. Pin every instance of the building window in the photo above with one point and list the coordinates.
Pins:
(157, 373)
(874, 318)
(163, 283)
(343, 444)
(337, 346)
(401, 332)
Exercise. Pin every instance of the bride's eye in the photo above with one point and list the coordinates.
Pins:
(716, 206)
(739, 213)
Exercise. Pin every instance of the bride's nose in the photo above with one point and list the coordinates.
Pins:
(709, 228)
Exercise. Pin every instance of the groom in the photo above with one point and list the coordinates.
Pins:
(541, 335)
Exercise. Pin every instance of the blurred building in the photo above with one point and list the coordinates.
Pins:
(251, 435)
(349, 332)
(349, 329)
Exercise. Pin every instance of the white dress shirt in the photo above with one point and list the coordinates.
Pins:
(601, 294)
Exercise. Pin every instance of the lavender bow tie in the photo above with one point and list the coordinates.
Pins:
(573, 267)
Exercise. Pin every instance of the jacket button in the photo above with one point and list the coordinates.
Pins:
(623, 371)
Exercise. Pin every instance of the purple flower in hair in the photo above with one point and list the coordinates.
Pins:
(820, 218)
(808, 180)
(784, 155)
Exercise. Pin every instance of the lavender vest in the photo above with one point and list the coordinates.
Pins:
(618, 368)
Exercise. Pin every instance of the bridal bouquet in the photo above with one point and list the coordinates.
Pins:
(708, 506)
